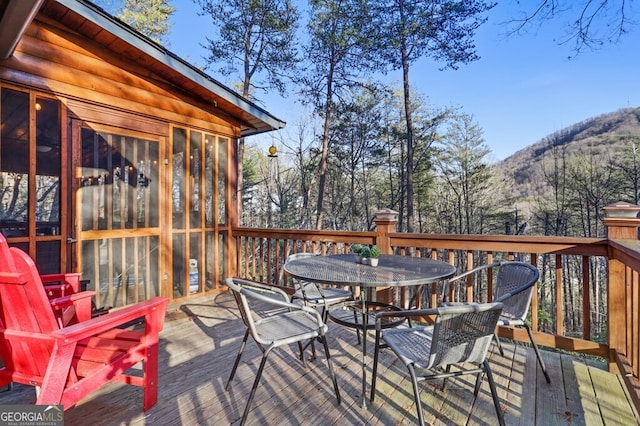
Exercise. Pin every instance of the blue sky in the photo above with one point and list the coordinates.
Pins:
(522, 89)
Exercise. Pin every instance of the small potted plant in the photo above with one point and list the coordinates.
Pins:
(357, 250)
(374, 254)
(365, 252)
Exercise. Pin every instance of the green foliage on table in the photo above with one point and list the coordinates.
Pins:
(375, 252)
(357, 248)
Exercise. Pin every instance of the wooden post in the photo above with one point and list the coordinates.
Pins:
(385, 221)
(622, 223)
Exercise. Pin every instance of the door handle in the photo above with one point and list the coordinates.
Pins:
(71, 240)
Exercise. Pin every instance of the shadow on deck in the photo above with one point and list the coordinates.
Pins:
(201, 338)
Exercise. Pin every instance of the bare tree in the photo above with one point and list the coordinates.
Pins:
(630, 166)
(591, 23)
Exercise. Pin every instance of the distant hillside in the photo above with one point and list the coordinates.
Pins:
(605, 135)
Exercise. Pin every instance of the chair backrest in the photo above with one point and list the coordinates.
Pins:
(299, 284)
(24, 307)
(295, 256)
(248, 295)
(463, 333)
(514, 288)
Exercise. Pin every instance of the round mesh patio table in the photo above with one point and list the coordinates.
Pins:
(343, 270)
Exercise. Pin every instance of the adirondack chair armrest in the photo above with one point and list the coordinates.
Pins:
(57, 285)
(24, 336)
(71, 278)
(70, 300)
(81, 304)
(76, 332)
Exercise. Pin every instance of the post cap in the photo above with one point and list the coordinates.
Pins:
(622, 209)
(388, 214)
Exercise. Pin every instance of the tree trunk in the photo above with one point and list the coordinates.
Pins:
(322, 166)
(410, 147)
(240, 193)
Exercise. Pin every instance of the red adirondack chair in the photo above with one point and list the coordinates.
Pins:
(69, 363)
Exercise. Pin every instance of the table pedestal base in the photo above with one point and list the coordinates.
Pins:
(361, 315)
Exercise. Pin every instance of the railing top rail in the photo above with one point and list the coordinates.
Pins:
(506, 243)
(505, 238)
(626, 251)
(308, 234)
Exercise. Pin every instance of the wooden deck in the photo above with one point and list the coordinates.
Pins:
(201, 338)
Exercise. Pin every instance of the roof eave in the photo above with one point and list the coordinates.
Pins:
(14, 22)
(156, 51)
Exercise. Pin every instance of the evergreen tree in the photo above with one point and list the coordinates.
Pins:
(463, 166)
(402, 31)
(150, 17)
(336, 59)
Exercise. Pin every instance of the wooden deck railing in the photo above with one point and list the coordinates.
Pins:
(587, 298)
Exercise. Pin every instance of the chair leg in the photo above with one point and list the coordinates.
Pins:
(444, 379)
(476, 389)
(535, 348)
(497, 340)
(235, 364)
(301, 349)
(313, 349)
(150, 375)
(255, 385)
(331, 372)
(416, 393)
(374, 373)
(494, 392)
(355, 320)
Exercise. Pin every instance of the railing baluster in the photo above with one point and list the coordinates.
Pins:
(534, 297)
(586, 299)
(470, 278)
(559, 297)
(489, 277)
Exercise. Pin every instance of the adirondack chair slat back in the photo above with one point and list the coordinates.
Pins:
(30, 309)
(23, 307)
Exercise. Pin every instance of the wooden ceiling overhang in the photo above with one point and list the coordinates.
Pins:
(96, 24)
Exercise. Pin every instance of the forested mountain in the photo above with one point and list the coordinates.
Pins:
(561, 183)
(608, 137)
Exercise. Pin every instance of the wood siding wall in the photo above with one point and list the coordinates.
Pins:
(59, 61)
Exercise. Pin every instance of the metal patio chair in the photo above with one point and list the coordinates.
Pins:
(318, 296)
(315, 295)
(460, 337)
(513, 287)
(283, 323)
